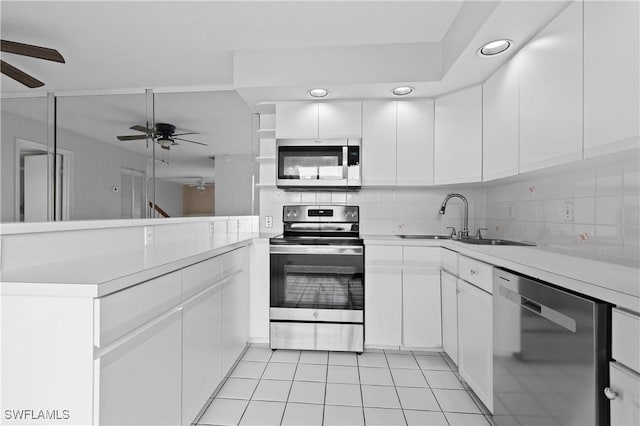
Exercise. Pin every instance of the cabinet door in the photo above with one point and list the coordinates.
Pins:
(340, 120)
(625, 408)
(458, 137)
(421, 320)
(551, 93)
(383, 307)
(475, 348)
(378, 143)
(611, 76)
(141, 380)
(449, 315)
(500, 98)
(296, 120)
(201, 351)
(235, 319)
(414, 143)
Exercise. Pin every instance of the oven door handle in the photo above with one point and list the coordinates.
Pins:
(310, 249)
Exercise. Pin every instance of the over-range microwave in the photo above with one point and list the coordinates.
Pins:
(318, 164)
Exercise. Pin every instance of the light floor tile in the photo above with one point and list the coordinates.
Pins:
(261, 413)
(372, 359)
(375, 376)
(442, 379)
(343, 374)
(302, 414)
(425, 418)
(285, 355)
(307, 392)
(408, 378)
(457, 401)
(279, 371)
(256, 353)
(272, 390)
(428, 353)
(236, 388)
(380, 396)
(342, 416)
(343, 394)
(460, 419)
(427, 362)
(383, 417)
(314, 357)
(402, 361)
(311, 373)
(417, 399)
(343, 358)
(249, 369)
(224, 412)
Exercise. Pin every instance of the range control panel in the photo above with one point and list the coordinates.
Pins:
(305, 213)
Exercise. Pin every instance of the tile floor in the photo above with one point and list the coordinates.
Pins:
(287, 387)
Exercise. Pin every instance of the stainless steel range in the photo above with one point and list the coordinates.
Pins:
(317, 280)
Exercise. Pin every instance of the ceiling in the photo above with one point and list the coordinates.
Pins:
(246, 54)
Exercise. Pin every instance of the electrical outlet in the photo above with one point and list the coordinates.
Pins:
(211, 229)
(268, 221)
(567, 211)
(148, 235)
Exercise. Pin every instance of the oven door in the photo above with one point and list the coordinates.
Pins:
(317, 283)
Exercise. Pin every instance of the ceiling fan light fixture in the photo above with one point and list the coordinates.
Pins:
(318, 93)
(402, 90)
(495, 47)
(165, 142)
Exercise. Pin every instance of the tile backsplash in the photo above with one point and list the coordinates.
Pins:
(590, 206)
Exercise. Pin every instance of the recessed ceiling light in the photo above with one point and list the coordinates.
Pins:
(495, 47)
(318, 93)
(401, 91)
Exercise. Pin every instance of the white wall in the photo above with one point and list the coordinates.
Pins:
(169, 197)
(233, 184)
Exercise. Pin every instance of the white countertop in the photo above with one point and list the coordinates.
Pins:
(612, 282)
(102, 274)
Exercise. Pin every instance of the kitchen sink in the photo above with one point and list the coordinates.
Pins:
(492, 242)
(425, 237)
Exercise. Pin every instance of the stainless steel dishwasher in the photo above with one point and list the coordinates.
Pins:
(550, 354)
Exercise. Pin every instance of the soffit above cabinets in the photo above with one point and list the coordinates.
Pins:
(269, 50)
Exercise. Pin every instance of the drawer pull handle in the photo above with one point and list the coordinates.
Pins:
(610, 393)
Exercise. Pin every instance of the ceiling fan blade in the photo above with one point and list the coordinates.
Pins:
(19, 76)
(182, 134)
(31, 50)
(187, 140)
(140, 129)
(132, 138)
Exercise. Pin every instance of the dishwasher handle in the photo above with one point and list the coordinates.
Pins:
(539, 309)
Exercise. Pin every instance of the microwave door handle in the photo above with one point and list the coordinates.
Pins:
(345, 163)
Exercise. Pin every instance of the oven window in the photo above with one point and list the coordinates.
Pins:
(299, 281)
(310, 162)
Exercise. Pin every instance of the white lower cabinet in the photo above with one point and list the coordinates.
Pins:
(383, 306)
(421, 309)
(624, 389)
(475, 350)
(235, 308)
(449, 289)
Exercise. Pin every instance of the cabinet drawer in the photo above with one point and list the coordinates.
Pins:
(233, 260)
(197, 277)
(625, 339)
(126, 310)
(625, 407)
(422, 256)
(477, 273)
(383, 255)
(450, 261)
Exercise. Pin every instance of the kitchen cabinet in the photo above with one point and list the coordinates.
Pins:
(611, 76)
(300, 120)
(624, 391)
(397, 140)
(449, 288)
(500, 123)
(235, 308)
(383, 307)
(421, 308)
(551, 93)
(458, 137)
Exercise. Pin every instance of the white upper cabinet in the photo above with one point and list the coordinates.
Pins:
(611, 76)
(414, 144)
(300, 120)
(458, 137)
(378, 143)
(500, 121)
(551, 93)
(340, 120)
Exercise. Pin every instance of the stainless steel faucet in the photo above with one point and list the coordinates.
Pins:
(465, 225)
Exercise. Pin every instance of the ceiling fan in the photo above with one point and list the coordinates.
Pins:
(164, 133)
(26, 50)
(200, 184)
